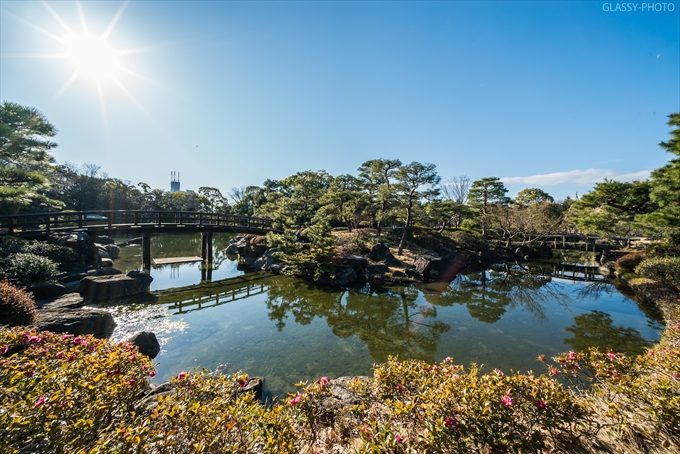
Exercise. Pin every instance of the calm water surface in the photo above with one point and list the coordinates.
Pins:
(287, 330)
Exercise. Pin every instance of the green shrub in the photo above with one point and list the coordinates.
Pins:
(26, 269)
(664, 269)
(60, 254)
(629, 261)
(10, 245)
(16, 306)
(469, 241)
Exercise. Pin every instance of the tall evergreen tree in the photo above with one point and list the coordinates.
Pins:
(24, 157)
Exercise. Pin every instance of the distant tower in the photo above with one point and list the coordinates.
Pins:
(174, 181)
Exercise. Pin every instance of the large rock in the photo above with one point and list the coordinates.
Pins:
(67, 301)
(97, 322)
(104, 271)
(232, 249)
(429, 266)
(376, 272)
(342, 278)
(147, 343)
(81, 243)
(339, 398)
(45, 290)
(267, 260)
(103, 239)
(380, 252)
(356, 262)
(443, 269)
(103, 288)
(103, 253)
(113, 251)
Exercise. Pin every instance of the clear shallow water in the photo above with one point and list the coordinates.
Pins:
(287, 330)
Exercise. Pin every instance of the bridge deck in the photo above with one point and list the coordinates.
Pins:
(129, 221)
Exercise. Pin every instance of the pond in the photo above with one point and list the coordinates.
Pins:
(288, 330)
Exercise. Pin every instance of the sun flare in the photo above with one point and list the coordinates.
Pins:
(92, 56)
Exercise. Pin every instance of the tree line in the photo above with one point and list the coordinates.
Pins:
(383, 193)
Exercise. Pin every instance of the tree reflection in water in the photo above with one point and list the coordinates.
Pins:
(403, 321)
(488, 293)
(389, 322)
(596, 329)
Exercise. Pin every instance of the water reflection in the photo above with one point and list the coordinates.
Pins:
(596, 329)
(488, 293)
(168, 245)
(288, 330)
(388, 322)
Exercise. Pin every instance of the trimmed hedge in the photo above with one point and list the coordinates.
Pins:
(17, 307)
(629, 261)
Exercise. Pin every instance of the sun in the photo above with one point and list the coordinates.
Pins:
(92, 57)
(90, 54)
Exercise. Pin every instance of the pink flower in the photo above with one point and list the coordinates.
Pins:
(72, 357)
(152, 373)
(540, 403)
(182, 375)
(41, 400)
(295, 400)
(80, 341)
(398, 438)
(323, 381)
(571, 356)
(449, 421)
(553, 371)
(67, 336)
(448, 360)
(132, 382)
(611, 356)
(506, 400)
(60, 355)
(4, 349)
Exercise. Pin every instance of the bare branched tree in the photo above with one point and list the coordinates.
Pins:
(456, 189)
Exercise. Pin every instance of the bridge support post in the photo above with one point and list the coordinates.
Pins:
(146, 252)
(207, 247)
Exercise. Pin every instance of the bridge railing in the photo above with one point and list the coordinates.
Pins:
(72, 220)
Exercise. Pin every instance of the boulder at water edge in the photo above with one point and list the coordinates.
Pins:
(104, 288)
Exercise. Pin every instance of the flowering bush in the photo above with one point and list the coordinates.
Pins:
(204, 413)
(59, 392)
(16, 306)
(446, 408)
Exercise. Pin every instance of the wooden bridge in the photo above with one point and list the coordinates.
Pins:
(578, 242)
(202, 296)
(136, 222)
(583, 273)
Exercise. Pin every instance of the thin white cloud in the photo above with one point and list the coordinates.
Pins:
(584, 177)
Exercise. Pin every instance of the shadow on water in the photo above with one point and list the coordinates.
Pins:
(288, 330)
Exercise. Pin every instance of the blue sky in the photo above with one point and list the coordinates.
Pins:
(550, 94)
